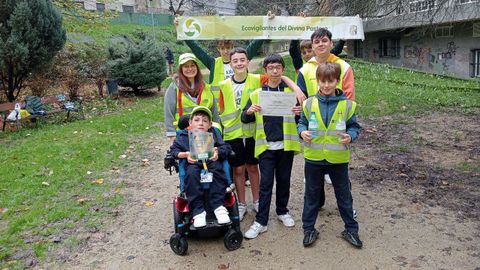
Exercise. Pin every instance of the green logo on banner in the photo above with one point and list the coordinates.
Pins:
(192, 27)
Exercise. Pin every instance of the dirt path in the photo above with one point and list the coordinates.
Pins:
(416, 210)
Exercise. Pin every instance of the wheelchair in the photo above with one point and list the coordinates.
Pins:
(183, 220)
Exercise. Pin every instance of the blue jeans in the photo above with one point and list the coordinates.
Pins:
(314, 189)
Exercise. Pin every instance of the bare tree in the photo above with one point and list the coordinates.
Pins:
(175, 6)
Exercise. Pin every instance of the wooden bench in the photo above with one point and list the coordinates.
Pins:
(52, 105)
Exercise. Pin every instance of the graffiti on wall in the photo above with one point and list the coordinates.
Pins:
(421, 55)
(438, 59)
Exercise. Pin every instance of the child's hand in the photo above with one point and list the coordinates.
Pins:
(297, 110)
(345, 138)
(300, 96)
(270, 15)
(176, 21)
(306, 136)
(190, 159)
(253, 109)
(215, 154)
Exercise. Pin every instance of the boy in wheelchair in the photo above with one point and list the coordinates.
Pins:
(201, 119)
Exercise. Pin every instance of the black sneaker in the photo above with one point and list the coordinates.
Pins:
(309, 237)
(352, 238)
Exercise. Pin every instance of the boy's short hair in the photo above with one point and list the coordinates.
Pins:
(273, 58)
(225, 43)
(203, 111)
(238, 50)
(328, 71)
(321, 32)
(305, 44)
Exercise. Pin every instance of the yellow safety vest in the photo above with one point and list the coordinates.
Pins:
(327, 145)
(231, 113)
(218, 76)
(291, 141)
(185, 105)
(309, 71)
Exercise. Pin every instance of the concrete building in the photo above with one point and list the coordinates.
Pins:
(425, 35)
(192, 7)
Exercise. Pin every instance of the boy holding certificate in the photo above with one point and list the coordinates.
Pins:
(276, 141)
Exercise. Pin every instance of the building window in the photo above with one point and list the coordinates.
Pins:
(475, 63)
(476, 30)
(358, 48)
(127, 9)
(100, 7)
(466, 1)
(444, 31)
(417, 6)
(389, 47)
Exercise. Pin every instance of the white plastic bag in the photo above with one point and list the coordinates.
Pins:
(15, 114)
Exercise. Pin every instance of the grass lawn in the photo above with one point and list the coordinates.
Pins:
(45, 188)
(384, 90)
(44, 185)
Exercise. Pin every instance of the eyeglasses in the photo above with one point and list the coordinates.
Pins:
(271, 68)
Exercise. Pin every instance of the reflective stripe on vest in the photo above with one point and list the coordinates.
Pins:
(218, 76)
(185, 105)
(231, 113)
(291, 141)
(327, 145)
(309, 72)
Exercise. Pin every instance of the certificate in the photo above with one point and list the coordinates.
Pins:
(275, 103)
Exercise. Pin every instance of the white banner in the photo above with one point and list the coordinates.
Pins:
(260, 27)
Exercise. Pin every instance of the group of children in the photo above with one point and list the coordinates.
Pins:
(265, 146)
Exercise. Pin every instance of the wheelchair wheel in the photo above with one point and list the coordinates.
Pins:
(233, 239)
(179, 244)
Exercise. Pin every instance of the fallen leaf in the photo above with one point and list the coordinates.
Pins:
(371, 130)
(402, 175)
(3, 210)
(99, 181)
(75, 132)
(149, 203)
(117, 190)
(147, 128)
(89, 172)
(223, 266)
(445, 183)
(100, 132)
(123, 157)
(145, 162)
(82, 200)
(45, 184)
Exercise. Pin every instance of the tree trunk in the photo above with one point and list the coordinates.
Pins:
(100, 87)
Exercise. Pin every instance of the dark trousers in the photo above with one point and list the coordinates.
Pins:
(278, 164)
(315, 193)
(195, 192)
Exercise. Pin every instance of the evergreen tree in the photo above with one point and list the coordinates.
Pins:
(31, 34)
(142, 66)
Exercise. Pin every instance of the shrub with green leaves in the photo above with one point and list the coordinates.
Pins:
(140, 66)
(31, 34)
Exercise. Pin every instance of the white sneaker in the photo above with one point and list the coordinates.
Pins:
(287, 220)
(327, 179)
(247, 183)
(200, 220)
(255, 230)
(355, 214)
(242, 210)
(255, 206)
(222, 215)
